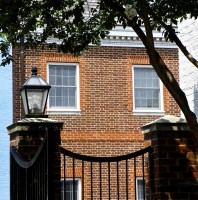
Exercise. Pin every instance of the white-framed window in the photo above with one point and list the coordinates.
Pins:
(68, 187)
(140, 188)
(147, 90)
(64, 95)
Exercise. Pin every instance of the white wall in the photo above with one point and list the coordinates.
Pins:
(188, 33)
(5, 120)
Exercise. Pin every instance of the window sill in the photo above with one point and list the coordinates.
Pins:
(63, 112)
(147, 112)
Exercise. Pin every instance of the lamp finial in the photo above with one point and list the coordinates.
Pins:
(34, 70)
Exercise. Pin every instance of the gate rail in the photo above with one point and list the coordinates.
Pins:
(99, 173)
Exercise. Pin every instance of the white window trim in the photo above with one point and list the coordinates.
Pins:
(66, 110)
(79, 186)
(147, 111)
(136, 182)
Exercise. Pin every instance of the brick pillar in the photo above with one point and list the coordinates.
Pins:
(27, 136)
(175, 174)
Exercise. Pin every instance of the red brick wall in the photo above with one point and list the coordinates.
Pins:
(106, 125)
(106, 118)
(175, 172)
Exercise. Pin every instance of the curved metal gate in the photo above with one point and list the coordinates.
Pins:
(106, 177)
(83, 177)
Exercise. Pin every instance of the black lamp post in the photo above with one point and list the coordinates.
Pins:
(37, 158)
(34, 93)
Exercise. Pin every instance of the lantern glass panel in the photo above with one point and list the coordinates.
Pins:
(25, 103)
(36, 100)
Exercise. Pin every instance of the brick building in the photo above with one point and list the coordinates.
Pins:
(104, 96)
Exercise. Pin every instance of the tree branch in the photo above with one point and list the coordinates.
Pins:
(147, 25)
(168, 80)
(173, 37)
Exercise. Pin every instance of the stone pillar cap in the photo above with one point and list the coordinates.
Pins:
(167, 122)
(27, 123)
(38, 120)
(169, 119)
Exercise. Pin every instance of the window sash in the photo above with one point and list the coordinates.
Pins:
(69, 189)
(64, 80)
(140, 185)
(147, 89)
(147, 98)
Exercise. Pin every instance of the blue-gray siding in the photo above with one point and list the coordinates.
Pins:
(5, 120)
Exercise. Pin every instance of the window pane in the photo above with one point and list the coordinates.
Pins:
(155, 94)
(53, 91)
(149, 95)
(72, 97)
(72, 70)
(68, 195)
(58, 101)
(149, 103)
(59, 91)
(137, 83)
(143, 103)
(65, 81)
(59, 80)
(155, 82)
(58, 70)
(71, 81)
(52, 80)
(137, 103)
(149, 82)
(143, 93)
(143, 82)
(71, 102)
(52, 101)
(65, 92)
(52, 70)
(72, 92)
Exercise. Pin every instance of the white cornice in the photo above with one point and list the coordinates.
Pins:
(128, 38)
(120, 37)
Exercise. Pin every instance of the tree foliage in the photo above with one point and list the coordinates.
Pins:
(77, 23)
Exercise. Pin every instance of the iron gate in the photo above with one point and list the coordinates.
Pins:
(106, 177)
(99, 177)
